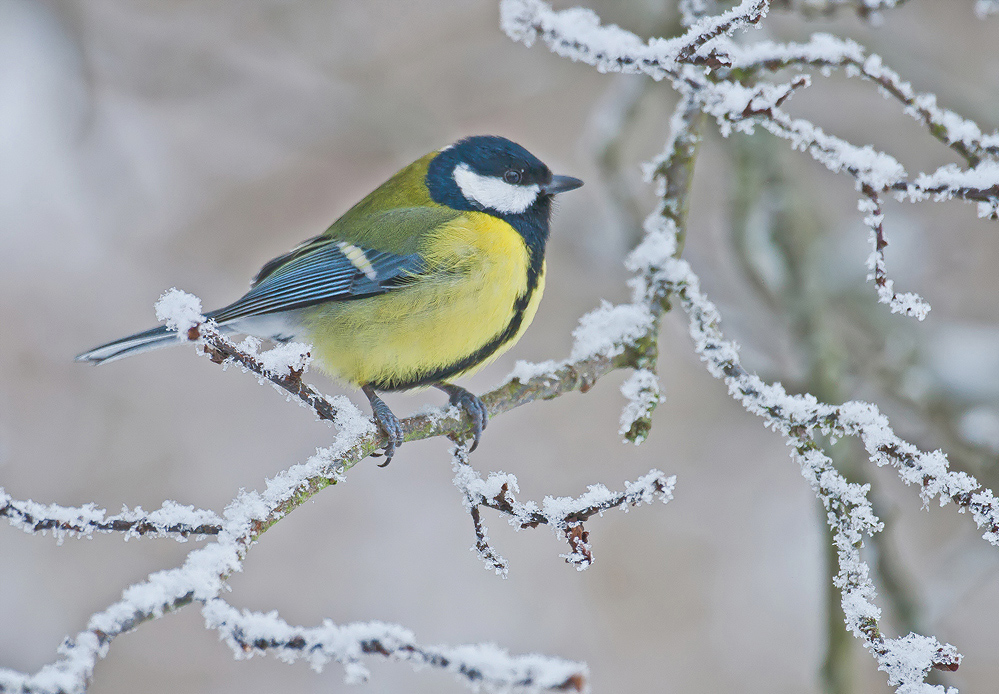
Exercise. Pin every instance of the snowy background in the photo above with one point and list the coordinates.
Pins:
(158, 144)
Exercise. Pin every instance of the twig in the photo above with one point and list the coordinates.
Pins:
(564, 515)
(908, 304)
(172, 519)
(826, 52)
(222, 350)
(477, 665)
(609, 338)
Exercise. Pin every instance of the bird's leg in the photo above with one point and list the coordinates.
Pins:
(388, 422)
(471, 403)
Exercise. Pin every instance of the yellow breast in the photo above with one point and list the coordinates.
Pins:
(450, 321)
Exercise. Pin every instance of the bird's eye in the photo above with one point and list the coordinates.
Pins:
(512, 176)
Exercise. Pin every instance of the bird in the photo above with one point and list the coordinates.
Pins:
(434, 274)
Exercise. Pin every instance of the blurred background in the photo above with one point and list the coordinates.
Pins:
(153, 144)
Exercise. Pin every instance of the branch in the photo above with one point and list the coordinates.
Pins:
(673, 169)
(476, 665)
(607, 339)
(799, 419)
(576, 34)
(579, 35)
(564, 515)
(273, 365)
(827, 52)
(203, 577)
(171, 519)
(908, 304)
(978, 184)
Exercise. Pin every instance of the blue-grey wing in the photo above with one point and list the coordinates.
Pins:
(323, 270)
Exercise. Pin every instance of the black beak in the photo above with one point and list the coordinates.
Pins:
(560, 184)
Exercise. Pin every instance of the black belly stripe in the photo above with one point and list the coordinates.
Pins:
(481, 354)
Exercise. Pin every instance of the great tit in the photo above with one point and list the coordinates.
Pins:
(431, 276)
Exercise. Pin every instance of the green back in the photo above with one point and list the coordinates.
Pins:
(396, 215)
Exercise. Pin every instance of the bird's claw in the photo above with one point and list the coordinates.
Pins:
(387, 422)
(476, 409)
(392, 427)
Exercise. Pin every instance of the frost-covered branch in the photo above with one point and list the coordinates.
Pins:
(673, 169)
(908, 304)
(172, 519)
(978, 184)
(564, 515)
(202, 578)
(714, 76)
(802, 419)
(579, 35)
(477, 665)
(827, 52)
(607, 339)
(576, 34)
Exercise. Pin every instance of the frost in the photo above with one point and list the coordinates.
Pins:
(910, 658)
(950, 181)
(850, 514)
(179, 310)
(251, 633)
(171, 520)
(564, 515)
(525, 371)
(656, 248)
(605, 331)
(282, 360)
(577, 34)
(989, 210)
(288, 358)
(642, 391)
(908, 304)
(697, 63)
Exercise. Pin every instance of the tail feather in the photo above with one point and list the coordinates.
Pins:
(133, 344)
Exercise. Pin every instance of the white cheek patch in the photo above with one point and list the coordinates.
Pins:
(494, 193)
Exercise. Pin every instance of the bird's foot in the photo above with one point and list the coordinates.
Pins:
(476, 409)
(387, 421)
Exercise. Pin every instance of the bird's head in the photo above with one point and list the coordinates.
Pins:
(492, 174)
